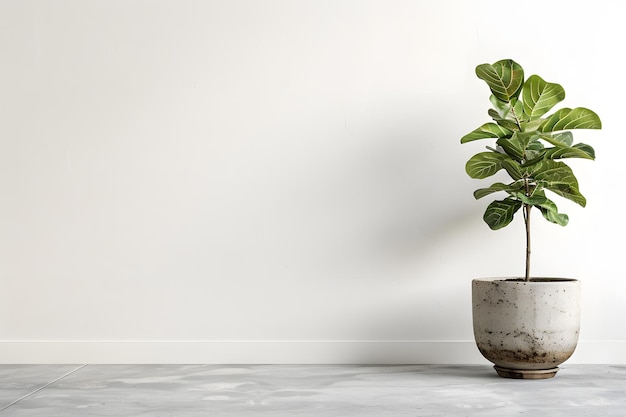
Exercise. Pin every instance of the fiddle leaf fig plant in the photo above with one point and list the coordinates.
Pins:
(529, 146)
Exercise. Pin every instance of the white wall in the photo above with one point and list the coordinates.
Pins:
(282, 181)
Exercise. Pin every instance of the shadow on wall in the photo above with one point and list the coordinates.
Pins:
(381, 197)
(370, 222)
(384, 217)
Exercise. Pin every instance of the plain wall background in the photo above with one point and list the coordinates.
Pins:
(267, 181)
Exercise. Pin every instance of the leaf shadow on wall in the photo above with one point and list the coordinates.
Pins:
(381, 221)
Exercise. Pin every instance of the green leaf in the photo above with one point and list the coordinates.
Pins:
(484, 164)
(571, 152)
(488, 130)
(559, 178)
(531, 125)
(513, 168)
(554, 216)
(502, 113)
(518, 109)
(535, 145)
(586, 148)
(534, 157)
(565, 119)
(512, 147)
(503, 109)
(507, 124)
(580, 150)
(561, 139)
(494, 114)
(540, 96)
(517, 144)
(500, 213)
(538, 199)
(509, 188)
(504, 78)
(545, 205)
(526, 138)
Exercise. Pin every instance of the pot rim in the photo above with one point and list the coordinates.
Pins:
(542, 280)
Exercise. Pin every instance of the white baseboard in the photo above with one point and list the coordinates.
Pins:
(273, 352)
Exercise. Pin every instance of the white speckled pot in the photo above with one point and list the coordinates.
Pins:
(529, 328)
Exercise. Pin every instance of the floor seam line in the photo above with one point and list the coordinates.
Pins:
(41, 388)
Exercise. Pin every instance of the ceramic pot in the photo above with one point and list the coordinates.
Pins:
(527, 329)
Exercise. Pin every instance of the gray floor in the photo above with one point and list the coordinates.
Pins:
(305, 390)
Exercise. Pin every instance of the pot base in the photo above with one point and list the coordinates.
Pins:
(526, 373)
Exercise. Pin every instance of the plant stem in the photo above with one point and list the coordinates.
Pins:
(526, 211)
(527, 208)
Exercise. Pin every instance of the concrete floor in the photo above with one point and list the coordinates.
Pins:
(305, 390)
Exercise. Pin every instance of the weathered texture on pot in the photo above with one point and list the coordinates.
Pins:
(526, 325)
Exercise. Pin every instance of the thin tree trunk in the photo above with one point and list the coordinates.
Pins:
(527, 208)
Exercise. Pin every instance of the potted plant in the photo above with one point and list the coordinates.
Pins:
(527, 326)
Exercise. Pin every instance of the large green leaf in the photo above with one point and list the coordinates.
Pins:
(509, 188)
(559, 178)
(484, 164)
(504, 78)
(488, 130)
(540, 96)
(576, 151)
(565, 119)
(500, 213)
